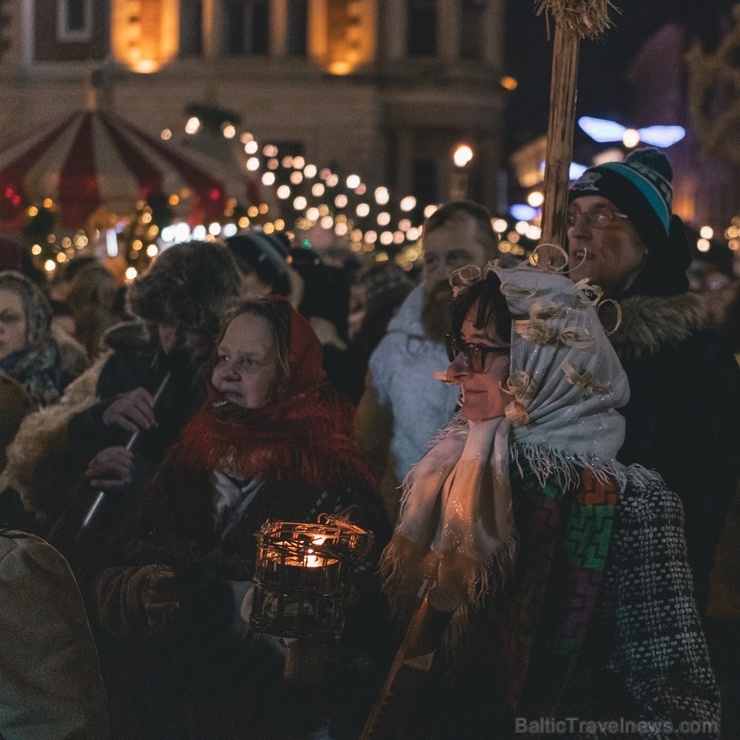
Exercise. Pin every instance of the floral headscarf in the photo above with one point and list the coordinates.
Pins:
(456, 524)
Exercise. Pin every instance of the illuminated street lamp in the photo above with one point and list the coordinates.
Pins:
(462, 155)
(461, 158)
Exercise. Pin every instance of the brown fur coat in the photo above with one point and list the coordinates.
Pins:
(37, 464)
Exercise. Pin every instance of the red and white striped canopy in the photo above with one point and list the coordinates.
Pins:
(93, 158)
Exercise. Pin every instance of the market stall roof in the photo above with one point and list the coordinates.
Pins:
(93, 158)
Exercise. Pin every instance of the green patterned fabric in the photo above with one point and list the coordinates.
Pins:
(542, 618)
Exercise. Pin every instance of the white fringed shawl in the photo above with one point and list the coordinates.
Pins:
(456, 524)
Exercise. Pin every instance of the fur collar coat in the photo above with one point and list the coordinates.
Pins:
(683, 416)
(54, 444)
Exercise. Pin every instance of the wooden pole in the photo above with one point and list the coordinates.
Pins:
(574, 20)
(559, 150)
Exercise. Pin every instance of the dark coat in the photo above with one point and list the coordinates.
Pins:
(50, 684)
(683, 416)
(49, 455)
(15, 403)
(202, 678)
(644, 656)
(35, 377)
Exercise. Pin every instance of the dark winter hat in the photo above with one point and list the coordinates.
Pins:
(639, 187)
(385, 284)
(191, 284)
(261, 248)
(264, 254)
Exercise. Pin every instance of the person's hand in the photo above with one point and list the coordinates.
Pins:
(160, 596)
(110, 469)
(131, 412)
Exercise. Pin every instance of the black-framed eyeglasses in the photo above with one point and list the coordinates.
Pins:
(598, 218)
(475, 354)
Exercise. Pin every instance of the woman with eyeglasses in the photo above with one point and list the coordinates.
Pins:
(683, 416)
(563, 574)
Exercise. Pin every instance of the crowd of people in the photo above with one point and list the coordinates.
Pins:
(546, 460)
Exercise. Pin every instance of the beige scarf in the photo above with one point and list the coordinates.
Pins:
(456, 523)
(458, 526)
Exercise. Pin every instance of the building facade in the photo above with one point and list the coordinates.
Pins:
(382, 88)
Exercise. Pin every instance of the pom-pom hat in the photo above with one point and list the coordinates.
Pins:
(639, 187)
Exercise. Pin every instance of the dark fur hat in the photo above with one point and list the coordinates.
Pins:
(191, 284)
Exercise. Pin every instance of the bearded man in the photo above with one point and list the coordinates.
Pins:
(403, 405)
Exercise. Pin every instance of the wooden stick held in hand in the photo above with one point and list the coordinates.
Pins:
(411, 664)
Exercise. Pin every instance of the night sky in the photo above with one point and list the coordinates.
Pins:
(601, 88)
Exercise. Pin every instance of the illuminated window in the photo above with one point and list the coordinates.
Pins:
(247, 27)
(471, 29)
(74, 20)
(343, 36)
(297, 28)
(144, 33)
(421, 38)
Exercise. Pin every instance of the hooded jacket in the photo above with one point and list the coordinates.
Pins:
(403, 405)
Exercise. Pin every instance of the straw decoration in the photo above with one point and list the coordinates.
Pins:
(588, 19)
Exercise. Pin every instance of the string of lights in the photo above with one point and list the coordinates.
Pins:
(302, 199)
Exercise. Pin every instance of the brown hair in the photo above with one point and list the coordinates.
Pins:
(491, 303)
(457, 212)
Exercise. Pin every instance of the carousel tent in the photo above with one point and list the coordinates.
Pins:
(93, 159)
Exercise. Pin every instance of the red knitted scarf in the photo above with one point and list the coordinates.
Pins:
(304, 438)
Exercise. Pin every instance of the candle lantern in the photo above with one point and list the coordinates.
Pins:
(303, 576)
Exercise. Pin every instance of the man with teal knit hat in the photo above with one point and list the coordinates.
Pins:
(683, 417)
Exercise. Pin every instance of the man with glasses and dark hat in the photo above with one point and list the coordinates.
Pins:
(683, 416)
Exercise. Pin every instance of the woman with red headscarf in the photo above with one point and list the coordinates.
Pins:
(270, 443)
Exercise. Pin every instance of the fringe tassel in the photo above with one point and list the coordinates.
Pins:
(489, 579)
(640, 477)
(546, 462)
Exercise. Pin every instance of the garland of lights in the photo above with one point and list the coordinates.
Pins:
(716, 78)
(313, 201)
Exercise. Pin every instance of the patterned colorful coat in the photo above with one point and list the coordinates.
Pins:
(613, 635)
